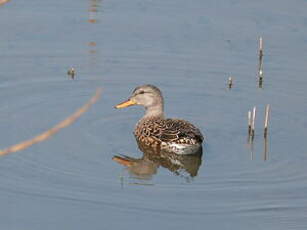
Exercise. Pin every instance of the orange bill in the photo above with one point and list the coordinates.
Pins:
(125, 104)
(122, 161)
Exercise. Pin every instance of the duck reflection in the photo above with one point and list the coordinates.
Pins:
(145, 167)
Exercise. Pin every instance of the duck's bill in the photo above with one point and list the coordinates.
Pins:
(122, 161)
(125, 104)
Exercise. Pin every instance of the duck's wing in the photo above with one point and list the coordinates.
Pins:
(176, 130)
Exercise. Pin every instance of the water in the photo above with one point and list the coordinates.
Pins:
(188, 49)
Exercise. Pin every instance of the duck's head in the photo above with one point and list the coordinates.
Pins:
(148, 96)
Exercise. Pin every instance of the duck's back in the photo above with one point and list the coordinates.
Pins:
(168, 131)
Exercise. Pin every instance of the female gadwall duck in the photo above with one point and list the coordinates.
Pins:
(175, 135)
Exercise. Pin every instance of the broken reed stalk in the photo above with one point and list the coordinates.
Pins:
(249, 122)
(253, 122)
(266, 120)
(260, 67)
(230, 82)
(47, 134)
(71, 72)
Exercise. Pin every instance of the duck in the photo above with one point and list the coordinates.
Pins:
(155, 130)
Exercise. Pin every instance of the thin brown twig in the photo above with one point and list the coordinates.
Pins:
(3, 1)
(47, 134)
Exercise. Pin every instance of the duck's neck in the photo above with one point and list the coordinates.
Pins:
(154, 111)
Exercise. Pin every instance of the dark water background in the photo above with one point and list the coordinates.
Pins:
(188, 49)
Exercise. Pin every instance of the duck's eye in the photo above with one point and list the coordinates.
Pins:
(141, 92)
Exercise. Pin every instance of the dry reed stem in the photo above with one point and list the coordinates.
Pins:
(230, 82)
(249, 121)
(253, 122)
(47, 134)
(266, 119)
(260, 68)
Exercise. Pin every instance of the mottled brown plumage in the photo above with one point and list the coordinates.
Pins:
(153, 129)
(168, 130)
